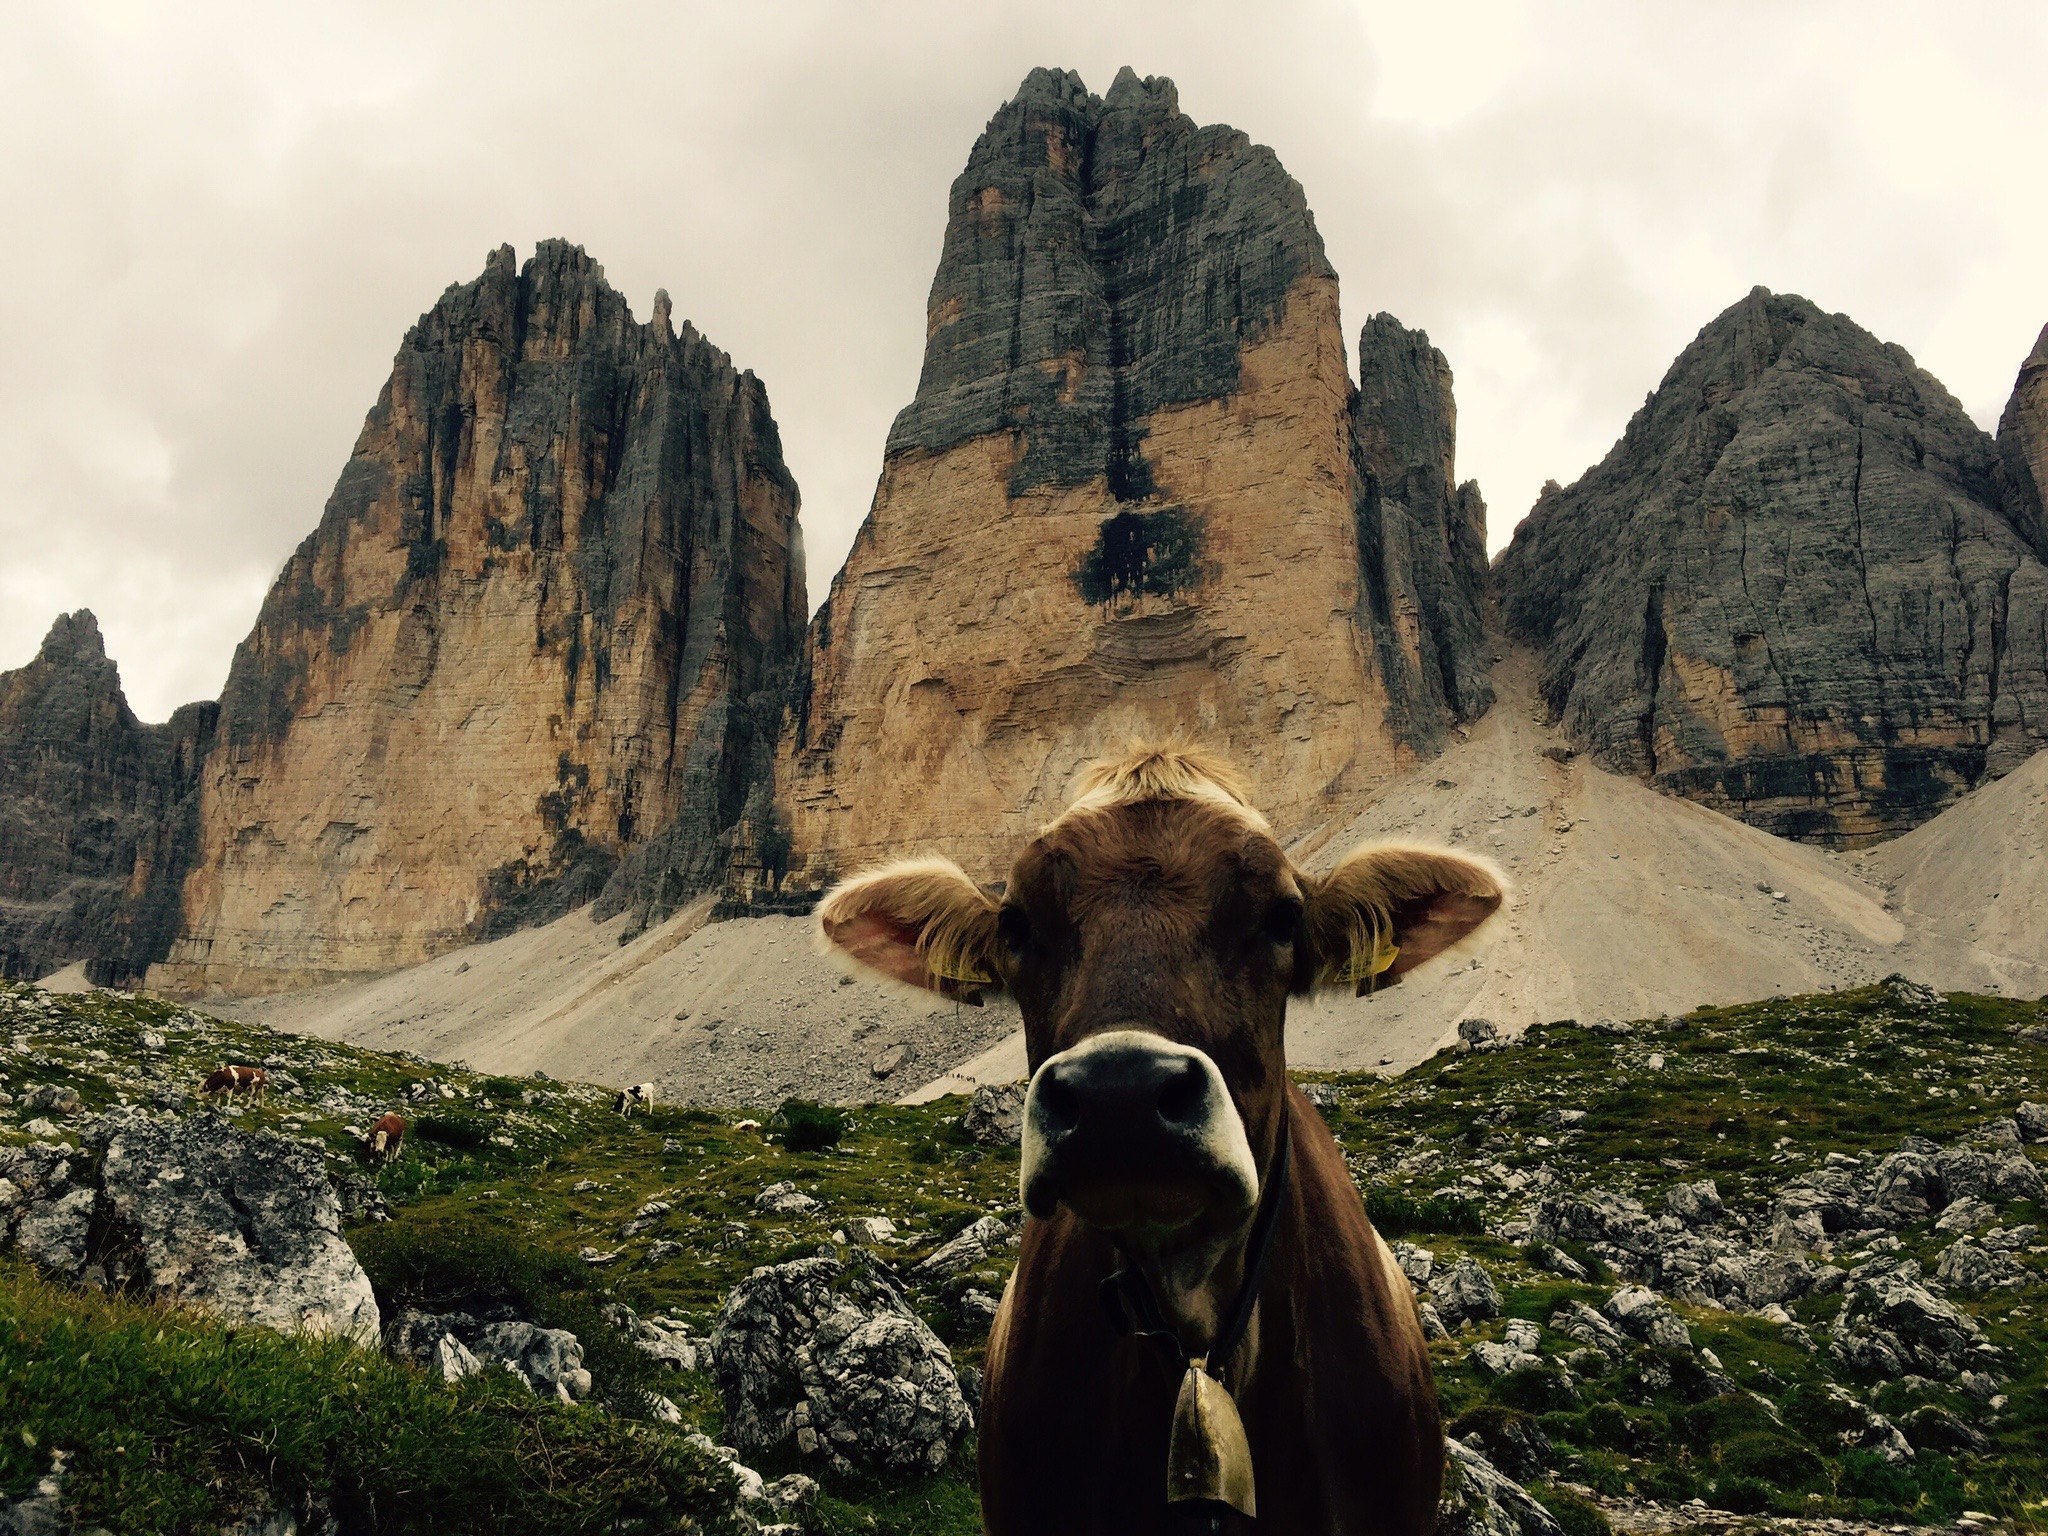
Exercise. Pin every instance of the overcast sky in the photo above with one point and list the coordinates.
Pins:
(220, 219)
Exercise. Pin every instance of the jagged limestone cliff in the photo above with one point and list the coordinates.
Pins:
(1422, 536)
(2023, 450)
(98, 818)
(530, 637)
(1792, 590)
(1128, 499)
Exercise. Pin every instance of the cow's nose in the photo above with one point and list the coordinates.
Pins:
(1126, 1090)
(1130, 1110)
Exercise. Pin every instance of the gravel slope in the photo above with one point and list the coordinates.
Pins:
(1627, 903)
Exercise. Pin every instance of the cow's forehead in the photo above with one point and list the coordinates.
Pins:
(1185, 842)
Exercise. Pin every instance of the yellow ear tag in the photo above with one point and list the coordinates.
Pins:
(1366, 969)
(965, 976)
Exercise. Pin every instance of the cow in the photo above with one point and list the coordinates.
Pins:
(231, 1080)
(1203, 1326)
(386, 1137)
(640, 1095)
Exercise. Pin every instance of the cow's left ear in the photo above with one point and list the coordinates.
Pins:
(1387, 908)
(920, 922)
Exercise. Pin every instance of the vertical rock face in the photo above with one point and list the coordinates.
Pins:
(1124, 502)
(531, 636)
(1791, 590)
(2023, 450)
(97, 813)
(1420, 533)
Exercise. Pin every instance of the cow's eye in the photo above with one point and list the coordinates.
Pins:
(1283, 920)
(1014, 928)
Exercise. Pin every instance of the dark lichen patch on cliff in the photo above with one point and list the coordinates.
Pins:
(1143, 554)
(1799, 797)
(527, 892)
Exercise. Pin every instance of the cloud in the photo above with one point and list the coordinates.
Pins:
(226, 216)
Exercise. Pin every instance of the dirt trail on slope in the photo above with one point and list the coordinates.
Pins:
(1627, 903)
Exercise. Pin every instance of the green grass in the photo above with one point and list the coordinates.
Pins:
(1748, 1096)
(179, 1424)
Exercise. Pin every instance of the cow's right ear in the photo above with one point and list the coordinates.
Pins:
(1387, 908)
(920, 922)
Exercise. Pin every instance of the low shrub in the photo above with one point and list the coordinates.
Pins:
(807, 1127)
(1741, 1495)
(456, 1129)
(1927, 1488)
(1820, 1414)
(450, 1263)
(1770, 1457)
(1577, 1516)
(1396, 1213)
(1535, 1392)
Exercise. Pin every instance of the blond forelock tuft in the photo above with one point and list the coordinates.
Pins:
(1163, 771)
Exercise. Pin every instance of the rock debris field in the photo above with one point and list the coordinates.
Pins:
(1771, 1266)
(1626, 902)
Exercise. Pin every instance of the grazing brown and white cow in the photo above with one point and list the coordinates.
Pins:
(226, 1079)
(1203, 1325)
(640, 1096)
(385, 1138)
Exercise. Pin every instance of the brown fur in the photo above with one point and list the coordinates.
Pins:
(1333, 1383)
(386, 1137)
(249, 1080)
(1161, 902)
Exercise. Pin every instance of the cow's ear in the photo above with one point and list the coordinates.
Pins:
(1387, 908)
(920, 922)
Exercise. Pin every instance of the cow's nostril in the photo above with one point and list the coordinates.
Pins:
(1182, 1096)
(1059, 1107)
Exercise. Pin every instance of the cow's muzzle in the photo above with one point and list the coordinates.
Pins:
(1130, 1130)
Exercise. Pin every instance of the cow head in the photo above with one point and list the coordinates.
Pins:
(1152, 936)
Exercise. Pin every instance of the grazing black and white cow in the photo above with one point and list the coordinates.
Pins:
(640, 1096)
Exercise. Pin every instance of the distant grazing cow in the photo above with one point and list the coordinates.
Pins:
(640, 1095)
(385, 1138)
(1203, 1325)
(250, 1080)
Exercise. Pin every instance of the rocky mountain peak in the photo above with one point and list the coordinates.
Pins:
(73, 637)
(1129, 499)
(1138, 250)
(524, 656)
(2023, 450)
(1151, 95)
(1790, 590)
(96, 812)
(1420, 531)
